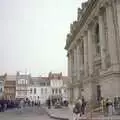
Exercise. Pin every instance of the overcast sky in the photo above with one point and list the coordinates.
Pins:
(33, 35)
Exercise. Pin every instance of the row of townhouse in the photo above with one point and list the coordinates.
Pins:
(23, 85)
(41, 88)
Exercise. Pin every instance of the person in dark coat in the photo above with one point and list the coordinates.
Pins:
(49, 104)
(77, 110)
(2, 105)
(83, 105)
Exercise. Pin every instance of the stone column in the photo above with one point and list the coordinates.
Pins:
(117, 5)
(102, 39)
(75, 62)
(90, 50)
(85, 54)
(72, 64)
(78, 62)
(81, 59)
(69, 65)
(112, 43)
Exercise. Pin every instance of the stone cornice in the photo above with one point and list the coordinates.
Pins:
(81, 23)
(88, 16)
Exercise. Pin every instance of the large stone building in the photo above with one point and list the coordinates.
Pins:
(93, 47)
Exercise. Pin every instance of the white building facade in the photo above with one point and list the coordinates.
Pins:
(93, 47)
(22, 84)
(58, 85)
(39, 89)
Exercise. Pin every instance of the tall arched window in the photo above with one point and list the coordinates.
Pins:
(97, 40)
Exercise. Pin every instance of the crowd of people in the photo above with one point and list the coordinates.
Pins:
(7, 104)
(17, 103)
(56, 102)
(110, 107)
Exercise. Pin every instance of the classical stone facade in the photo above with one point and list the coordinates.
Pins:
(93, 47)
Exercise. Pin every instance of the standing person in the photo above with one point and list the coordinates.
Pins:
(32, 103)
(5, 105)
(77, 110)
(83, 105)
(110, 107)
(2, 105)
(49, 104)
(80, 105)
(103, 104)
(21, 105)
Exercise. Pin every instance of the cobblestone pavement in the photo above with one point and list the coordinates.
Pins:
(28, 114)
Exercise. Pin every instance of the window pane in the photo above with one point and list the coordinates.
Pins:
(34, 90)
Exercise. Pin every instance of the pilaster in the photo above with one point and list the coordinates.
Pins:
(112, 43)
(102, 38)
(85, 54)
(78, 61)
(75, 62)
(90, 50)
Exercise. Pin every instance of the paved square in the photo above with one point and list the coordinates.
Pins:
(28, 114)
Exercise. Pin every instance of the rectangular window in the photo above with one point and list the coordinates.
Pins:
(34, 90)
(56, 90)
(30, 90)
(52, 91)
(45, 90)
(41, 90)
(59, 91)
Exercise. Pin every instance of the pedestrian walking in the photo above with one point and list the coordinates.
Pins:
(77, 110)
(21, 105)
(103, 105)
(83, 105)
(110, 107)
(49, 103)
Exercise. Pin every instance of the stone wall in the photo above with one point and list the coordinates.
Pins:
(87, 93)
(110, 86)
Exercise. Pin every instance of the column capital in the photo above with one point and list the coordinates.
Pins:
(85, 33)
(108, 3)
